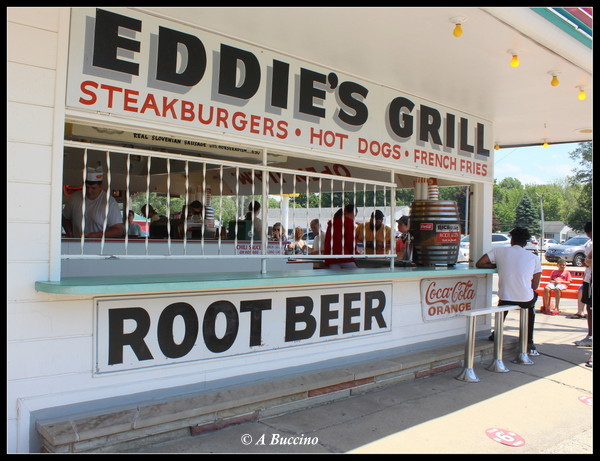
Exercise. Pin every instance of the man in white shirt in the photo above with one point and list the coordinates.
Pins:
(519, 273)
(586, 293)
(95, 211)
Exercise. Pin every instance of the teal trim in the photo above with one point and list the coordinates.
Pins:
(177, 283)
(575, 20)
(563, 25)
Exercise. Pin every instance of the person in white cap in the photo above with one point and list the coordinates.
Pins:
(97, 220)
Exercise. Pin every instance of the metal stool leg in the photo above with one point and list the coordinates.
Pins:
(468, 374)
(497, 365)
(522, 357)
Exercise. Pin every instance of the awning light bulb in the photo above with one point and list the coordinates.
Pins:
(457, 31)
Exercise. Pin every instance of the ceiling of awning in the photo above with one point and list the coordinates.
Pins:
(414, 51)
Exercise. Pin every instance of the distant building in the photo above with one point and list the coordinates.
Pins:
(558, 231)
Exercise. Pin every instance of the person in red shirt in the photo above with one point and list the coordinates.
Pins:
(559, 280)
(340, 239)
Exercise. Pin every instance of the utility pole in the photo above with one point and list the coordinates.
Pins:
(541, 225)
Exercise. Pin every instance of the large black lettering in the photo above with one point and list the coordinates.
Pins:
(350, 312)
(118, 339)
(430, 123)
(255, 307)
(372, 311)
(166, 341)
(166, 65)
(401, 123)
(228, 73)
(450, 121)
(279, 88)
(292, 318)
(464, 135)
(308, 92)
(213, 343)
(480, 141)
(345, 93)
(107, 41)
(326, 315)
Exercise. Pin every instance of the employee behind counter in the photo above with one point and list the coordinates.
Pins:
(95, 208)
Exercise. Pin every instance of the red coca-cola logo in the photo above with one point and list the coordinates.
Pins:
(461, 291)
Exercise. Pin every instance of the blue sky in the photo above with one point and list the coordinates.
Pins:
(535, 165)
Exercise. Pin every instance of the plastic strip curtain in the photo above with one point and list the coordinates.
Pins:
(127, 203)
(186, 206)
(220, 205)
(149, 164)
(83, 195)
(169, 205)
(204, 205)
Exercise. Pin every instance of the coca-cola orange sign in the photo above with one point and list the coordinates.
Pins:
(446, 298)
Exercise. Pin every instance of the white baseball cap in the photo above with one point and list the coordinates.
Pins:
(94, 175)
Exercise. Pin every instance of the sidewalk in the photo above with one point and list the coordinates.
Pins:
(539, 404)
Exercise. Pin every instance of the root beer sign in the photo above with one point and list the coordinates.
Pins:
(129, 64)
(144, 332)
(443, 298)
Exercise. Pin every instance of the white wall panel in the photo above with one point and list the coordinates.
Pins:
(11, 435)
(41, 18)
(31, 46)
(21, 278)
(29, 123)
(29, 242)
(28, 202)
(33, 359)
(53, 319)
(28, 162)
(32, 85)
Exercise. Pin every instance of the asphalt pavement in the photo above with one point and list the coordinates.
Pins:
(544, 408)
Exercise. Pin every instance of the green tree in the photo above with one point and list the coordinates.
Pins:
(526, 215)
(507, 195)
(580, 210)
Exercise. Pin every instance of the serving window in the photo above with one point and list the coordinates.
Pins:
(172, 175)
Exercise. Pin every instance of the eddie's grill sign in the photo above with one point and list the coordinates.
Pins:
(446, 298)
(132, 65)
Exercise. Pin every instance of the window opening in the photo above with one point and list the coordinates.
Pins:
(228, 227)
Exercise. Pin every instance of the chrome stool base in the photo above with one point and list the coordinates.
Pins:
(468, 375)
(523, 359)
(497, 366)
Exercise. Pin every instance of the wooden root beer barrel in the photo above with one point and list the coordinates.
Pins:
(435, 228)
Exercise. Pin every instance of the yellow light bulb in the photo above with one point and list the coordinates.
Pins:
(582, 95)
(545, 144)
(554, 81)
(496, 147)
(514, 62)
(457, 30)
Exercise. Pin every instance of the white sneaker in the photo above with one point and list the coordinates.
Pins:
(585, 342)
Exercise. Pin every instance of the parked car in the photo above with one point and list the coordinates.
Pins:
(532, 245)
(571, 251)
(548, 243)
(497, 240)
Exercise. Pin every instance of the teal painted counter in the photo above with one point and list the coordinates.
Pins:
(169, 283)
